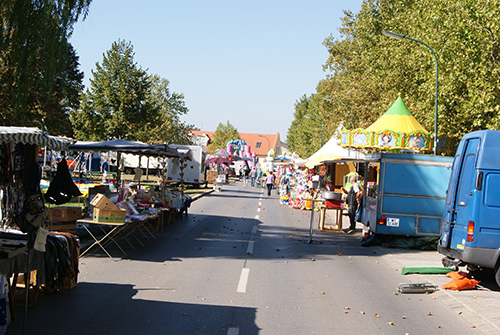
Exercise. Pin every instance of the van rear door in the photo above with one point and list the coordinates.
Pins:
(457, 210)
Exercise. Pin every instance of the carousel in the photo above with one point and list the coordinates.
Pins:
(394, 131)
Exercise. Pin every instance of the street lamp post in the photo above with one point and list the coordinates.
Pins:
(312, 117)
(400, 37)
(349, 118)
(332, 100)
(268, 145)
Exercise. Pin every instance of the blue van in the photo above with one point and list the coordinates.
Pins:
(471, 220)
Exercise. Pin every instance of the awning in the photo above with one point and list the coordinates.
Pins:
(33, 135)
(129, 147)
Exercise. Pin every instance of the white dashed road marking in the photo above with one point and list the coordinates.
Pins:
(242, 285)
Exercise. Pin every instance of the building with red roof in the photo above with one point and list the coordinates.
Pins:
(259, 143)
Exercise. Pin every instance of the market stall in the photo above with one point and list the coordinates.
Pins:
(25, 245)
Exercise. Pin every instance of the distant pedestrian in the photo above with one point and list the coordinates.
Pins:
(259, 177)
(104, 170)
(253, 175)
(269, 183)
(226, 172)
(246, 174)
(352, 202)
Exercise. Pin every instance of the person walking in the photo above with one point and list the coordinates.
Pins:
(253, 175)
(269, 182)
(246, 174)
(352, 202)
(259, 177)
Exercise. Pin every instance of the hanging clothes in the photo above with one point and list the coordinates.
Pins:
(62, 188)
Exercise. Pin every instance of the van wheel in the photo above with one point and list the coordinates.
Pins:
(497, 275)
(482, 274)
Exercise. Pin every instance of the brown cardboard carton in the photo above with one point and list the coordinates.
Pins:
(100, 201)
(65, 213)
(112, 216)
(63, 226)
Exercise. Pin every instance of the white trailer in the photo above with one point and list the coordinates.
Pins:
(129, 162)
(194, 171)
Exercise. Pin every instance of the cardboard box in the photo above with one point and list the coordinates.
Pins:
(65, 213)
(63, 226)
(101, 202)
(112, 216)
(98, 189)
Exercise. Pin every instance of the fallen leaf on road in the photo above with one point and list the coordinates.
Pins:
(404, 317)
(339, 254)
(459, 313)
(277, 249)
(390, 323)
(286, 262)
(322, 293)
(314, 259)
(377, 315)
(184, 314)
(347, 307)
(362, 313)
(430, 314)
(346, 312)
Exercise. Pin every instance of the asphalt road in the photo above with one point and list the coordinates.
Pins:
(239, 263)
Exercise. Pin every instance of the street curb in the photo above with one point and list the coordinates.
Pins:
(199, 195)
(448, 300)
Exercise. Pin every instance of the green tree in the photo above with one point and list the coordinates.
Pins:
(369, 69)
(168, 128)
(304, 136)
(223, 134)
(118, 103)
(38, 67)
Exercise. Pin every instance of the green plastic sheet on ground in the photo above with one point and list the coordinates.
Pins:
(426, 270)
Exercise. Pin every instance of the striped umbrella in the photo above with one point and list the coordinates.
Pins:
(222, 152)
(32, 135)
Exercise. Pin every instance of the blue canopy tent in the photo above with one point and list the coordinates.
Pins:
(123, 146)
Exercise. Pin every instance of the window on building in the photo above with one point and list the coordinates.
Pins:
(258, 144)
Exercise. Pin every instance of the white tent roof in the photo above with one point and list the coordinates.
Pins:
(332, 151)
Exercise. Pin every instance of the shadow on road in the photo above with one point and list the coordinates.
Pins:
(112, 309)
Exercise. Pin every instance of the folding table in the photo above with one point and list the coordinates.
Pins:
(108, 237)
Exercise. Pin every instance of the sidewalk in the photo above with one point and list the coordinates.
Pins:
(480, 306)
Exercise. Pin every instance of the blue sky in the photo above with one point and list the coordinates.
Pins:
(246, 62)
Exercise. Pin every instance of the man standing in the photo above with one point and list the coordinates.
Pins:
(269, 182)
(104, 170)
(352, 202)
(226, 172)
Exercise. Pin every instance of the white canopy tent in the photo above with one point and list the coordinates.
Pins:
(332, 151)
